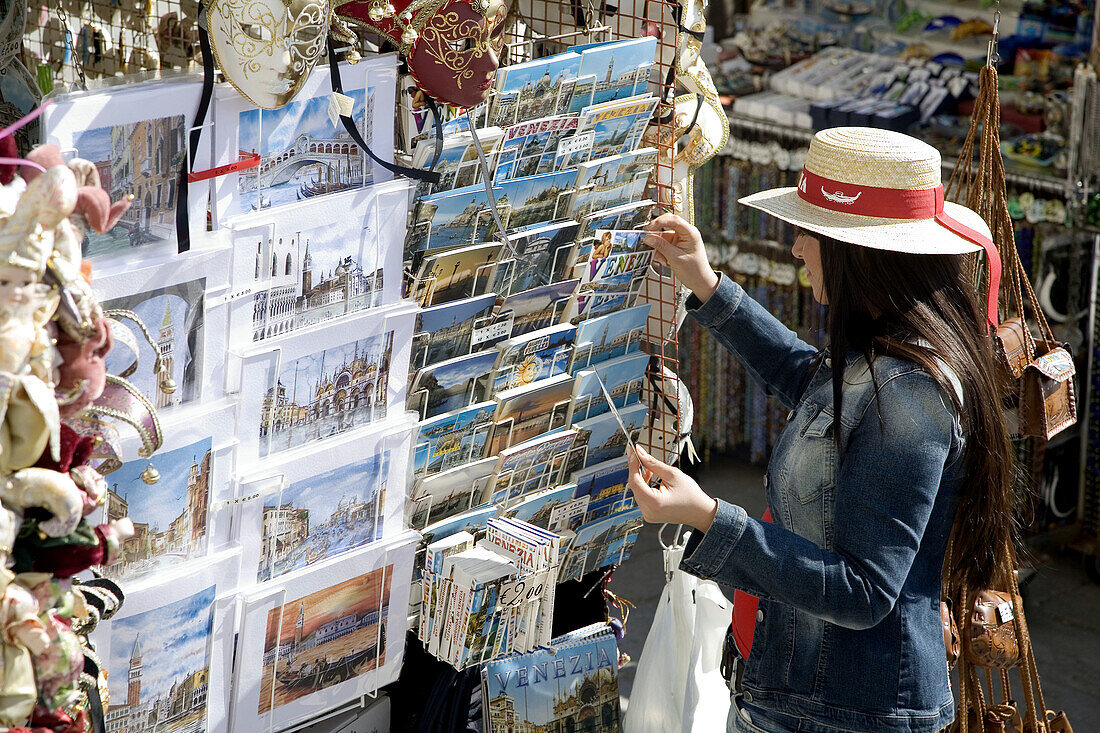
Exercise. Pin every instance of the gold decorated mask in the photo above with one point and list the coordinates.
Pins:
(267, 48)
(453, 46)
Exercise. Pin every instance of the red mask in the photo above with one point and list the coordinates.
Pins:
(453, 46)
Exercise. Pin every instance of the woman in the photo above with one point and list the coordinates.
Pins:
(848, 634)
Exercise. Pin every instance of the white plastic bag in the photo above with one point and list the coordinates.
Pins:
(679, 685)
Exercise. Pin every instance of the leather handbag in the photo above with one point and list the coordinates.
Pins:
(1048, 401)
(991, 622)
(990, 636)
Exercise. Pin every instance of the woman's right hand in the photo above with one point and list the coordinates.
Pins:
(680, 246)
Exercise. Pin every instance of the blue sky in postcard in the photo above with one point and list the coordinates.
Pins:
(174, 643)
(159, 504)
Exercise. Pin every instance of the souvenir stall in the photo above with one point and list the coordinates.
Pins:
(329, 326)
(789, 68)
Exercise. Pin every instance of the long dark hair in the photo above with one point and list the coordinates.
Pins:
(923, 308)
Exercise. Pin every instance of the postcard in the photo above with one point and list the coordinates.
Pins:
(599, 270)
(614, 70)
(168, 653)
(172, 516)
(179, 347)
(138, 139)
(607, 182)
(618, 241)
(334, 634)
(551, 509)
(462, 218)
(608, 129)
(443, 495)
(602, 480)
(537, 355)
(608, 337)
(531, 410)
(535, 89)
(455, 329)
(452, 384)
(540, 690)
(449, 220)
(302, 153)
(297, 265)
(458, 164)
(540, 255)
(630, 215)
(614, 293)
(622, 378)
(452, 439)
(531, 466)
(602, 438)
(538, 307)
(456, 274)
(537, 199)
(604, 485)
(530, 148)
(601, 543)
(473, 521)
(324, 382)
(345, 495)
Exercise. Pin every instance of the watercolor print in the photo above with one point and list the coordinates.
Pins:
(326, 393)
(302, 153)
(159, 668)
(169, 516)
(308, 275)
(174, 317)
(143, 159)
(325, 638)
(323, 516)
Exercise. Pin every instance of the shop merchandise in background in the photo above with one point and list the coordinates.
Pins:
(790, 70)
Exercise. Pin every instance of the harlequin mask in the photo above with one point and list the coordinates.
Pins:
(266, 48)
(453, 46)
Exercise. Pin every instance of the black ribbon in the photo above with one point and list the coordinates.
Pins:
(183, 224)
(95, 703)
(428, 176)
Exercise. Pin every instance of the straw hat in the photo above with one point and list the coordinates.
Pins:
(878, 189)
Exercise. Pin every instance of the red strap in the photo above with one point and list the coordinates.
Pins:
(248, 161)
(744, 613)
(897, 203)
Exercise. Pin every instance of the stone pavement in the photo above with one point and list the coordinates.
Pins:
(1062, 606)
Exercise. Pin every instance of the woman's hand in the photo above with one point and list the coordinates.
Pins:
(677, 499)
(679, 245)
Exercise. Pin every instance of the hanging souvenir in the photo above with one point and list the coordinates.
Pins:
(453, 46)
(18, 91)
(266, 48)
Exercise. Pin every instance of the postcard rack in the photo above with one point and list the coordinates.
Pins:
(551, 26)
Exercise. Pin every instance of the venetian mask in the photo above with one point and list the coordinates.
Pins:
(453, 46)
(266, 48)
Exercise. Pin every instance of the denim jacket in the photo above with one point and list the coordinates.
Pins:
(848, 631)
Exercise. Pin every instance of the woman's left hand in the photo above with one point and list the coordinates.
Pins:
(677, 499)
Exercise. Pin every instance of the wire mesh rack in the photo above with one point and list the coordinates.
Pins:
(67, 42)
(541, 27)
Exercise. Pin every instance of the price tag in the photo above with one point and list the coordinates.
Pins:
(518, 592)
(576, 144)
(1004, 612)
(339, 105)
(564, 513)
